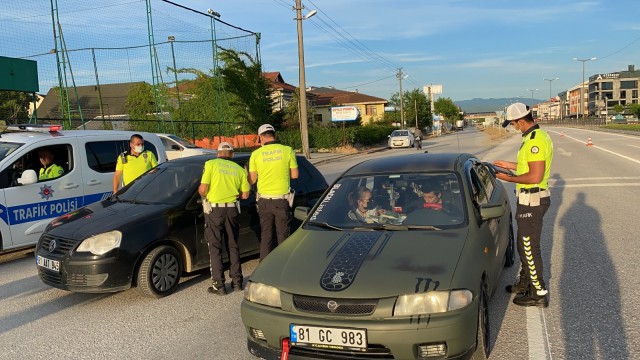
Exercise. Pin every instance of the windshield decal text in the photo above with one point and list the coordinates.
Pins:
(324, 202)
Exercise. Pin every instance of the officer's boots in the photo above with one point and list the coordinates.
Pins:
(237, 284)
(532, 298)
(217, 288)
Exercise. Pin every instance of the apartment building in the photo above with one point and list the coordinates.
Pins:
(607, 90)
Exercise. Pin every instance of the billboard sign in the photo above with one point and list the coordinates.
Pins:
(344, 113)
(18, 75)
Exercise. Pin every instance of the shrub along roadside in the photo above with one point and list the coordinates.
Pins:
(329, 138)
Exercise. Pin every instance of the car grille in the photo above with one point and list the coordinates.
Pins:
(341, 307)
(374, 351)
(63, 246)
(50, 277)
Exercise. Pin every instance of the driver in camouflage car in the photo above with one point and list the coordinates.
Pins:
(430, 197)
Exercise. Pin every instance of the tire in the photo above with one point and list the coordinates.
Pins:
(159, 272)
(483, 335)
(510, 254)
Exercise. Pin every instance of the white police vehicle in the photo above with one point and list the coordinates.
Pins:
(88, 159)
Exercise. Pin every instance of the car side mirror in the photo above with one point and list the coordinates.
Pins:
(301, 212)
(28, 177)
(389, 136)
(491, 211)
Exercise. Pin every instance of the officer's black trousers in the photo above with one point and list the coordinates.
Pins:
(272, 212)
(223, 220)
(529, 220)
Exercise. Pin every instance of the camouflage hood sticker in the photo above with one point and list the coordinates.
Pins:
(342, 270)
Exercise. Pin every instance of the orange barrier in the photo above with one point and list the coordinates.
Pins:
(238, 141)
(589, 142)
(561, 134)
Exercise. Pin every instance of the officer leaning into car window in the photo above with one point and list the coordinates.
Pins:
(223, 182)
(531, 176)
(49, 170)
(272, 166)
(133, 163)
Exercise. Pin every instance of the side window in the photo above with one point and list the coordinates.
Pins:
(487, 179)
(58, 160)
(102, 155)
(479, 194)
(165, 142)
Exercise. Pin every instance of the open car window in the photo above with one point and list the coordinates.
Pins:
(409, 199)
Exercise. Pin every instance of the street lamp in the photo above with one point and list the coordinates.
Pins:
(582, 84)
(532, 90)
(304, 127)
(171, 39)
(550, 80)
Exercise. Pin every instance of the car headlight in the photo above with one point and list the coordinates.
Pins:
(432, 302)
(101, 243)
(262, 294)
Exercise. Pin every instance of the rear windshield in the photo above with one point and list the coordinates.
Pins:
(412, 199)
(6, 148)
(164, 184)
(400, 133)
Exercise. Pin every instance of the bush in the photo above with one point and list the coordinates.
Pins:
(329, 138)
(372, 134)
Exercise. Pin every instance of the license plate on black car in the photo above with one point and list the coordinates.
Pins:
(328, 337)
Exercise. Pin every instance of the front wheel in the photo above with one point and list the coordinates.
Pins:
(159, 272)
(483, 337)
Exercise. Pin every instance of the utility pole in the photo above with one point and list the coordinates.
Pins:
(304, 127)
(415, 105)
(582, 85)
(400, 76)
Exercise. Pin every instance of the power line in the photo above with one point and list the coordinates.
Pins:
(370, 82)
(619, 50)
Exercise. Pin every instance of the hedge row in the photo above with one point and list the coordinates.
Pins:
(329, 138)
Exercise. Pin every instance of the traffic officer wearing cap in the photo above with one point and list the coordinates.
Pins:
(49, 170)
(531, 177)
(272, 166)
(223, 182)
(133, 163)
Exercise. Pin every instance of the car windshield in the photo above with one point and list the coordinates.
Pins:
(6, 148)
(411, 200)
(166, 184)
(400, 133)
(182, 142)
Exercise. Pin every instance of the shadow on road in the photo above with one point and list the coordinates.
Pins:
(591, 309)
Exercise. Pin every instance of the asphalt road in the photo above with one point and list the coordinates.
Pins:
(589, 252)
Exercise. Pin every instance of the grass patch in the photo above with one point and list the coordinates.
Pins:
(625, 127)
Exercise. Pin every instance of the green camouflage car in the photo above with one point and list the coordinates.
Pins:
(397, 260)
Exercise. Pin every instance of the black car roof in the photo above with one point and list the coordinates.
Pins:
(203, 158)
(410, 163)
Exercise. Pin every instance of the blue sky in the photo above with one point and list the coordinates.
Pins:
(475, 49)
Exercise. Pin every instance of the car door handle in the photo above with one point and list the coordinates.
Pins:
(70, 186)
(94, 182)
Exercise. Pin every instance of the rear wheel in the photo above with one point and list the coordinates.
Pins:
(483, 337)
(510, 255)
(159, 272)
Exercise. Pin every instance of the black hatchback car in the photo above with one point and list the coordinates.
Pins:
(150, 232)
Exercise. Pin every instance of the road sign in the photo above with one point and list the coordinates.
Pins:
(344, 113)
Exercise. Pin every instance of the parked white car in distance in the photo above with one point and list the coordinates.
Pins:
(401, 138)
(177, 147)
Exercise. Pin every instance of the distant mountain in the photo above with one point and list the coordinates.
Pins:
(486, 105)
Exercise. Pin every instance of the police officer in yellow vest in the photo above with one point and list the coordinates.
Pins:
(531, 177)
(272, 166)
(223, 183)
(49, 170)
(133, 163)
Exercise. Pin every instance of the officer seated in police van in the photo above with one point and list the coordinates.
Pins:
(49, 169)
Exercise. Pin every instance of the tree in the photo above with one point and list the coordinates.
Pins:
(411, 100)
(619, 109)
(448, 108)
(14, 105)
(634, 109)
(243, 78)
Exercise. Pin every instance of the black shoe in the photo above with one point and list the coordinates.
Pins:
(517, 288)
(217, 288)
(237, 285)
(532, 299)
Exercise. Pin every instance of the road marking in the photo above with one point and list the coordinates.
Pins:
(537, 335)
(599, 178)
(635, 146)
(593, 185)
(597, 132)
(603, 149)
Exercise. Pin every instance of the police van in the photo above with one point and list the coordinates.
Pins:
(85, 161)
